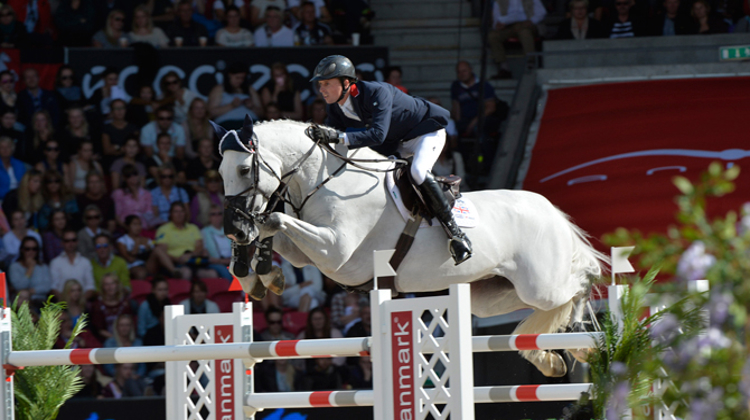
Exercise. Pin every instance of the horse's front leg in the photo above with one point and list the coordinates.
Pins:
(319, 243)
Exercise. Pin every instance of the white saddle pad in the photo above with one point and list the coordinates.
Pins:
(464, 211)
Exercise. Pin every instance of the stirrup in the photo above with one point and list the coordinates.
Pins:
(460, 249)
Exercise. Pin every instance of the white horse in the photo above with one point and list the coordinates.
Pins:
(527, 254)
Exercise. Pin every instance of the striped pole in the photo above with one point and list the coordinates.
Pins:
(284, 349)
(486, 394)
(287, 349)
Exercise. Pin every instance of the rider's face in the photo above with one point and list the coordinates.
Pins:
(330, 89)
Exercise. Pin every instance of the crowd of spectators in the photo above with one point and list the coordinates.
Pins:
(178, 23)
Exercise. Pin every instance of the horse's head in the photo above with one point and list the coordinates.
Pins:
(249, 181)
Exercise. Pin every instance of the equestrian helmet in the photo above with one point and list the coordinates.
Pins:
(334, 66)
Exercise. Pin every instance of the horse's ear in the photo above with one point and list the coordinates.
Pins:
(219, 131)
(247, 130)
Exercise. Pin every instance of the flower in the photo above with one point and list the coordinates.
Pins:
(618, 403)
(665, 330)
(695, 262)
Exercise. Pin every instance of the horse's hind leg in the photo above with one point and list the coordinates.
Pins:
(577, 325)
(551, 364)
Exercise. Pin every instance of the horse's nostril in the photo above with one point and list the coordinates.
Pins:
(240, 235)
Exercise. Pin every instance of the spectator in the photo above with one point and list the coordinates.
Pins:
(345, 308)
(76, 132)
(184, 31)
(360, 375)
(33, 99)
(92, 217)
(27, 198)
(318, 112)
(56, 196)
(275, 376)
(197, 302)
(136, 249)
(113, 35)
(281, 91)
(111, 303)
(13, 33)
(8, 95)
(209, 193)
(258, 9)
(164, 124)
(123, 335)
(29, 273)
(141, 108)
(167, 193)
(196, 168)
(106, 263)
(323, 376)
(703, 22)
(130, 150)
(218, 246)
(161, 158)
(117, 130)
(319, 6)
(513, 18)
(275, 326)
(9, 127)
(52, 238)
(177, 96)
(319, 326)
(196, 126)
(12, 169)
(153, 307)
(69, 93)
(124, 383)
(579, 25)
(625, 24)
(233, 35)
(72, 295)
(362, 327)
(671, 21)
(228, 103)
(36, 16)
(74, 20)
(105, 7)
(183, 243)
(96, 194)
(393, 76)
(103, 97)
(310, 31)
(15, 236)
(274, 33)
(51, 160)
(273, 112)
(162, 11)
(465, 101)
(145, 31)
(92, 379)
(132, 199)
(81, 165)
(72, 265)
(40, 132)
(304, 287)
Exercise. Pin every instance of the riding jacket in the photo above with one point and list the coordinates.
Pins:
(387, 117)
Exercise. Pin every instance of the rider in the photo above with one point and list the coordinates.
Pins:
(382, 117)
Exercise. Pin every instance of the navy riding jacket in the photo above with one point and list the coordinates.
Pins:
(388, 116)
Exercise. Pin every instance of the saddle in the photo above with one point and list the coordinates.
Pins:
(415, 203)
(412, 197)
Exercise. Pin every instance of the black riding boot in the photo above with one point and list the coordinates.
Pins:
(460, 246)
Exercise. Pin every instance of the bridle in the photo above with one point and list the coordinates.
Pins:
(281, 194)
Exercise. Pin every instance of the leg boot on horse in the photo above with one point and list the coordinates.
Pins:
(460, 246)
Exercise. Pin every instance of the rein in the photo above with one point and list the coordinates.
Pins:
(282, 192)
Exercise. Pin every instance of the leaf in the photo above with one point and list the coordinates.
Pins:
(683, 184)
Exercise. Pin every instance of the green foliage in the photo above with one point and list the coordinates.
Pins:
(40, 391)
(708, 373)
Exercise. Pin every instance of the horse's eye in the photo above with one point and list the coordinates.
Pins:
(244, 171)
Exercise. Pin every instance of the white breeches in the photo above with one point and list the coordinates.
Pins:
(426, 150)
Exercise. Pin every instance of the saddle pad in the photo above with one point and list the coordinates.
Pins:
(464, 211)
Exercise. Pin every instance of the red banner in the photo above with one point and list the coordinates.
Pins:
(402, 352)
(607, 154)
(224, 386)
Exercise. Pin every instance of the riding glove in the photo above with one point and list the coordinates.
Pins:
(325, 135)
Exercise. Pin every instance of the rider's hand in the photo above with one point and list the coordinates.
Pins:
(325, 135)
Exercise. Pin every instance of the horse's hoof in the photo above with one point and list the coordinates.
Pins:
(552, 365)
(580, 355)
(277, 284)
(258, 292)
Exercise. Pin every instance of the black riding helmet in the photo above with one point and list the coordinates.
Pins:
(335, 67)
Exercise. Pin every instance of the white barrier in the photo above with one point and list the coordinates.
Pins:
(421, 351)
